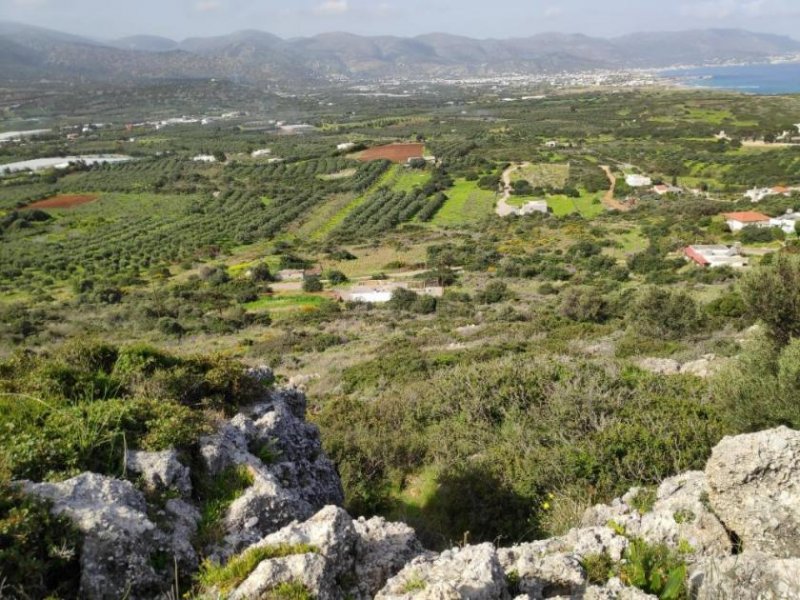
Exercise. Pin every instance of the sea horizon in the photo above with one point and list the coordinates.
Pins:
(764, 79)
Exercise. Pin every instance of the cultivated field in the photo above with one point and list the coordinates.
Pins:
(63, 201)
(398, 153)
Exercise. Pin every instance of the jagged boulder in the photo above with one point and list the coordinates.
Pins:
(382, 550)
(680, 517)
(309, 569)
(349, 559)
(472, 572)
(748, 576)
(292, 477)
(123, 549)
(754, 487)
(160, 471)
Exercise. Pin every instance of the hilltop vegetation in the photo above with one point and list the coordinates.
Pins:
(564, 358)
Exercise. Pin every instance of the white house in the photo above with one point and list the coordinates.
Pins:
(739, 220)
(786, 221)
(716, 256)
(260, 153)
(535, 206)
(638, 181)
(344, 146)
(663, 190)
(757, 194)
(207, 158)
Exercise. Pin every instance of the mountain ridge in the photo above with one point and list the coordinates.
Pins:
(259, 56)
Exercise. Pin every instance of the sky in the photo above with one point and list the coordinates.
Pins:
(178, 19)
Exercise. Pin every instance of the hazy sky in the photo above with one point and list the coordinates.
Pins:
(476, 18)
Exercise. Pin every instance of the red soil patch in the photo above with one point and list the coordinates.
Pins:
(62, 202)
(398, 153)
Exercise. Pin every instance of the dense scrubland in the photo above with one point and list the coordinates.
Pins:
(498, 411)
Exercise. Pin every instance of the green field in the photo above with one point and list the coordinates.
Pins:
(466, 203)
(279, 303)
(407, 179)
(588, 205)
(543, 175)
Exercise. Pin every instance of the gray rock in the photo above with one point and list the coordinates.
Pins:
(473, 572)
(545, 576)
(703, 367)
(679, 518)
(749, 576)
(296, 480)
(160, 471)
(660, 366)
(382, 550)
(754, 487)
(614, 590)
(307, 569)
(330, 531)
(122, 547)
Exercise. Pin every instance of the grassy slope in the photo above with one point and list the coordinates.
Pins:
(466, 204)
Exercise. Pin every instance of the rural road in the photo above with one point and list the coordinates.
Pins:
(609, 201)
(504, 209)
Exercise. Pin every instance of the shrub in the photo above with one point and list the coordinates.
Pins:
(584, 305)
(599, 568)
(312, 284)
(336, 277)
(39, 552)
(495, 291)
(770, 295)
(655, 569)
(664, 313)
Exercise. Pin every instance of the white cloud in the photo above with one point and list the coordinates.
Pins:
(332, 7)
(207, 6)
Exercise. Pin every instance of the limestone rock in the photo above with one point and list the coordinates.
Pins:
(122, 546)
(544, 576)
(660, 366)
(754, 487)
(330, 531)
(749, 576)
(382, 550)
(306, 569)
(680, 517)
(160, 471)
(472, 572)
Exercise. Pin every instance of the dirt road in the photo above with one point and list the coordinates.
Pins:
(609, 201)
(504, 209)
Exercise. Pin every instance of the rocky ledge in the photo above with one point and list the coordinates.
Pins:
(735, 527)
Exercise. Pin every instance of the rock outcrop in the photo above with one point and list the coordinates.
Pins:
(735, 526)
(124, 551)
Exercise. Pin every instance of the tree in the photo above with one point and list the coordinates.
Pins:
(336, 277)
(771, 294)
(664, 313)
(312, 283)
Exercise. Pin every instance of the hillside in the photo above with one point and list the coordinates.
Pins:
(258, 56)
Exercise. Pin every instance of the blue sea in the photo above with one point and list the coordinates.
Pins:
(781, 78)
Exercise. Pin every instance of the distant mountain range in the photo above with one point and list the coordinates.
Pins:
(28, 52)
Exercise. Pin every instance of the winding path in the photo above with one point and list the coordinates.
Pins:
(504, 209)
(609, 201)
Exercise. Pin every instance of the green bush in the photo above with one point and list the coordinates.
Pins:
(39, 552)
(655, 569)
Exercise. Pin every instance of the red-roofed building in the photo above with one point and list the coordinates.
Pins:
(739, 220)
